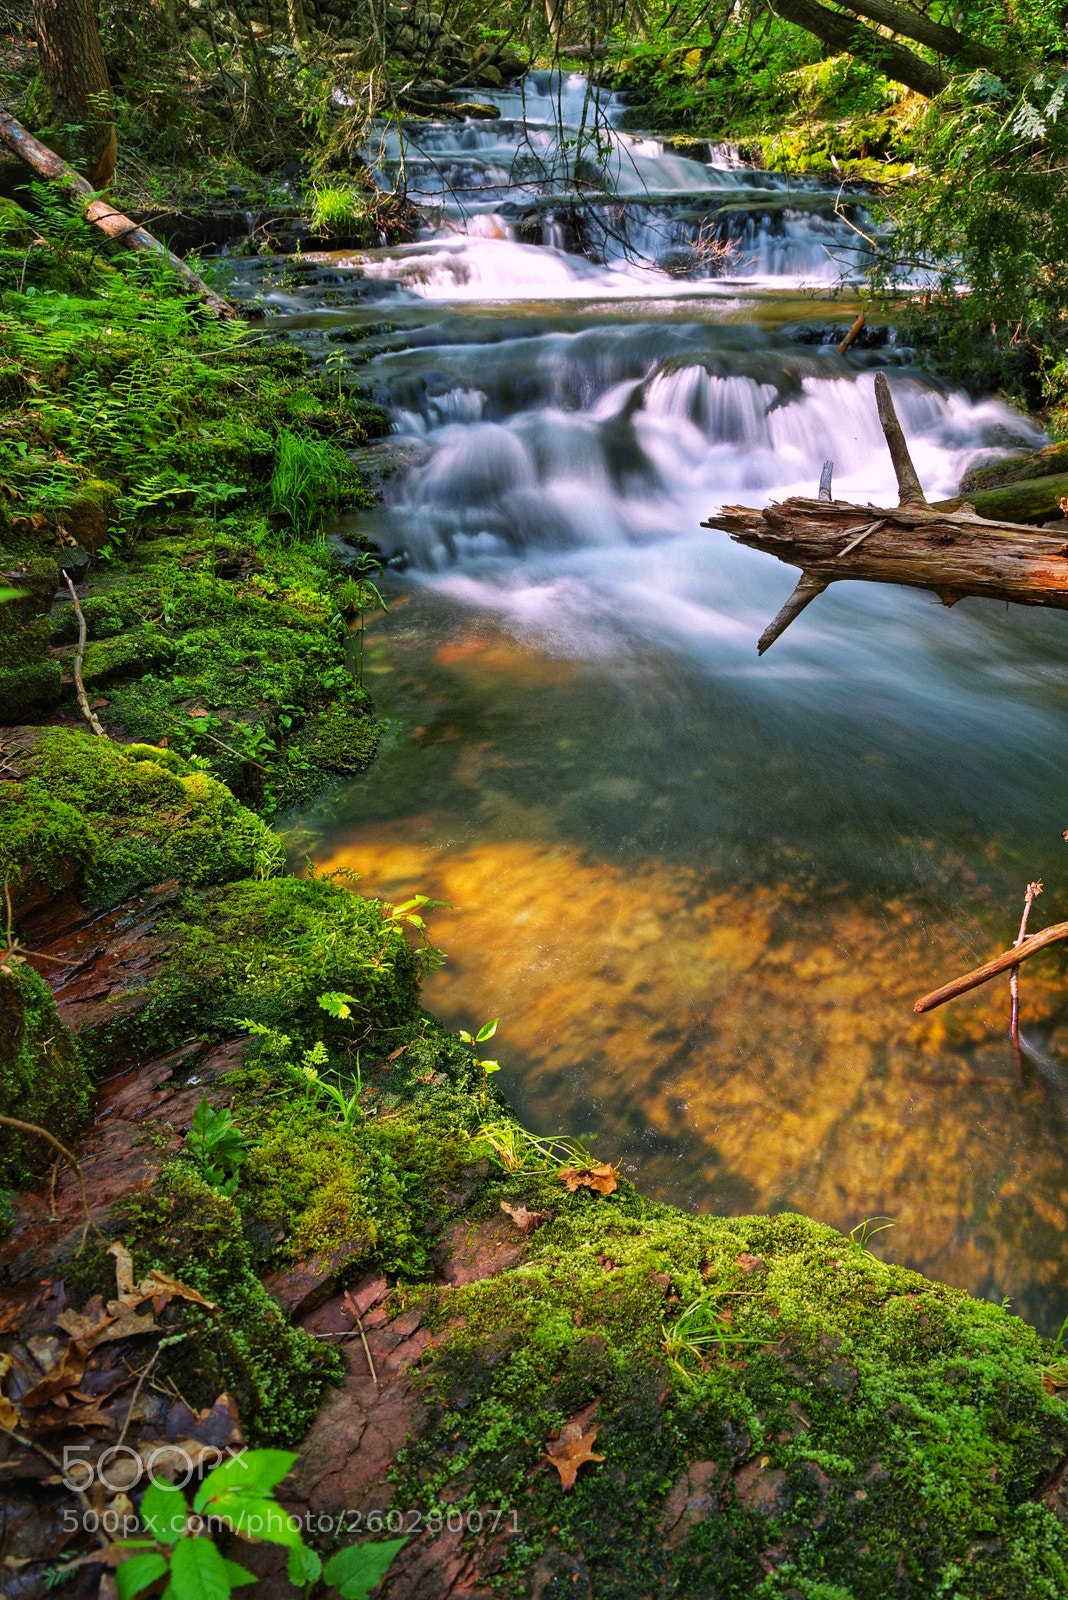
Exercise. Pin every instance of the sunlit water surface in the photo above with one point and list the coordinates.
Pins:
(701, 890)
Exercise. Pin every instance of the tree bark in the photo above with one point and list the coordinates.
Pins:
(102, 212)
(942, 40)
(72, 61)
(847, 37)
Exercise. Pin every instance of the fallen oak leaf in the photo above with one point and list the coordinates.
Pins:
(124, 1274)
(602, 1178)
(570, 1451)
(526, 1221)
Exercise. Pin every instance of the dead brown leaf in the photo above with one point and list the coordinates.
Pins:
(157, 1287)
(526, 1221)
(602, 1178)
(570, 1451)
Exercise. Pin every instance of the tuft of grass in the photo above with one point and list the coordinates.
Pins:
(311, 477)
(336, 210)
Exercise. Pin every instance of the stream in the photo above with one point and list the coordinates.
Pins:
(701, 890)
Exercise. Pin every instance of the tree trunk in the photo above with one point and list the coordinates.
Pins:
(846, 37)
(554, 16)
(72, 61)
(942, 40)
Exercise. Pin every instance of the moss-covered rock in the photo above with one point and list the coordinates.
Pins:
(247, 1348)
(822, 1425)
(259, 954)
(86, 517)
(108, 819)
(42, 1078)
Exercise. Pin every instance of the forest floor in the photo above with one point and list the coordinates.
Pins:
(488, 1342)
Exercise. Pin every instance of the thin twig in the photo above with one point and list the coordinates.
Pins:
(351, 1304)
(32, 1127)
(142, 1375)
(861, 536)
(1031, 894)
(79, 655)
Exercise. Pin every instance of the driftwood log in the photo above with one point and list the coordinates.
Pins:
(954, 553)
(101, 212)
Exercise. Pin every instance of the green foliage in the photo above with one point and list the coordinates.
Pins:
(340, 211)
(991, 217)
(239, 1496)
(216, 1147)
(311, 477)
(355, 1571)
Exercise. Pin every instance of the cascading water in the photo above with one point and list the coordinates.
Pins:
(701, 890)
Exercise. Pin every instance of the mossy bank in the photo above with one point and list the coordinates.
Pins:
(767, 1409)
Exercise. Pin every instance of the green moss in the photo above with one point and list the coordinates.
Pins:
(344, 741)
(42, 1079)
(275, 1372)
(265, 951)
(115, 818)
(856, 1417)
(33, 687)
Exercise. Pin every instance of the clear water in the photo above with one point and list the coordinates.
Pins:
(702, 890)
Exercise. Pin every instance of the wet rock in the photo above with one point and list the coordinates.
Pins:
(301, 1288)
(692, 1500)
(469, 1253)
(760, 1487)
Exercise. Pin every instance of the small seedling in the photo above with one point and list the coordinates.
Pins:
(217, 1148)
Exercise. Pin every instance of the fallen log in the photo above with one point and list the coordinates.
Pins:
(101, 212)
(953, 553)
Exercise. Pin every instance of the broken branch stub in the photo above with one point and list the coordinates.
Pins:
(948, 550)
(910, 491)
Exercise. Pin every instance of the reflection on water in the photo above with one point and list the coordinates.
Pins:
(704, 931)
(701, 890)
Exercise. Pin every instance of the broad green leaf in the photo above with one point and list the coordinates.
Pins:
(198, 1571)
(491, 1066)
(239, 1576)
(13, 594)
(254, 1516)
(163, 1512)
(252, 1472)
(137, 1573)
(487, 1030)
(303, 1566)
(355, 1571)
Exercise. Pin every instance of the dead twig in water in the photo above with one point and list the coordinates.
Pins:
(1031, 894)
(1055, 934)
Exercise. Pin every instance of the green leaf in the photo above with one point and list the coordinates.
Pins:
(163, 1512)
(252, 1472)
(487, 1030)
(198, 1571)
(491, 1066)
(355, 1571)
(254, 1516)
(238, 1575)
(338, 1005)
(137, 1573)
(303, 1566)
(13, 594)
